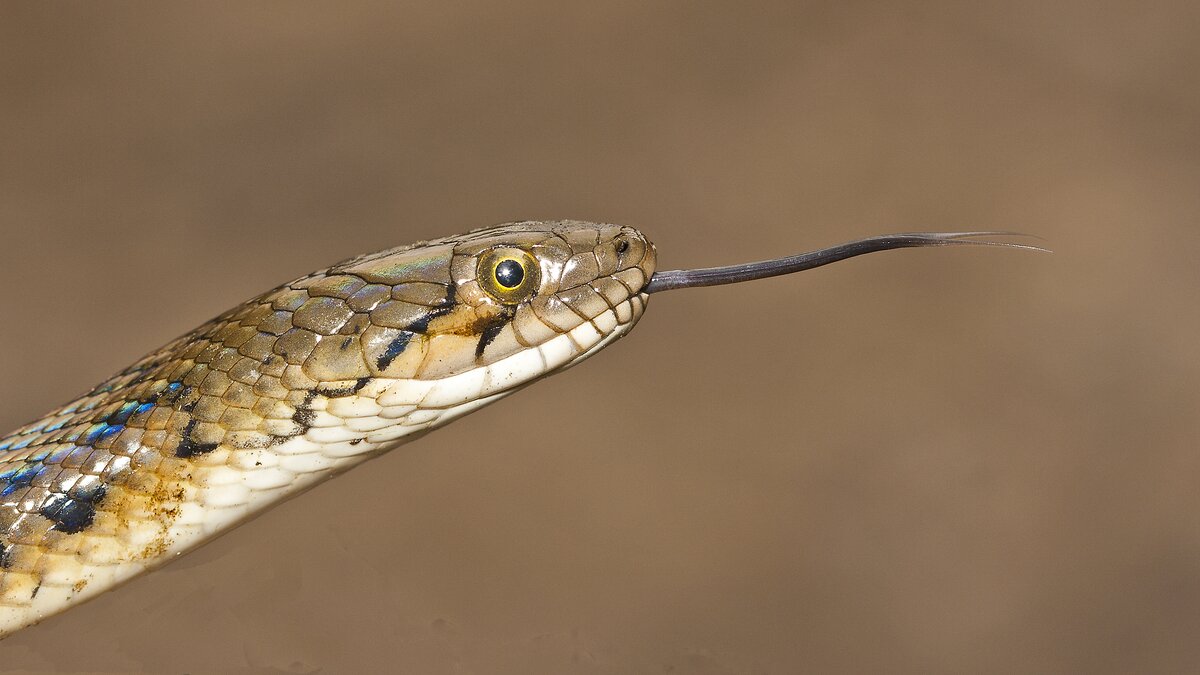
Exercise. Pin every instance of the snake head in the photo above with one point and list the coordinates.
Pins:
(555, 291)
(495, 308)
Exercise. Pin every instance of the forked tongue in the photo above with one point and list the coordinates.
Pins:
(732, 274)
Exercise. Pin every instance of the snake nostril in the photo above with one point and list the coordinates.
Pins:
(622, 246)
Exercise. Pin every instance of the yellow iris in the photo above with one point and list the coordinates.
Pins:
(510, 275)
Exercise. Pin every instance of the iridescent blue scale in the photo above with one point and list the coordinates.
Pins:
(61, 452)
(122, 415)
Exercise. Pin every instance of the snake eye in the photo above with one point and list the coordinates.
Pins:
(510, 275)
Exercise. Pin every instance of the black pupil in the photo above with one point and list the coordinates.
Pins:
(509, 273)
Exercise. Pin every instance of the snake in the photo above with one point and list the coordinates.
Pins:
(316, 376)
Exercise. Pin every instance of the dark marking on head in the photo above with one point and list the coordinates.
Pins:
(492, 329)
(421, 325)
(401, 341)
(73, 514)
(395, 348)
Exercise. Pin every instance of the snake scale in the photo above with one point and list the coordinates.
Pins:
(311, 378)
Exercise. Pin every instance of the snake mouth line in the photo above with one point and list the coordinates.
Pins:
(731, 274)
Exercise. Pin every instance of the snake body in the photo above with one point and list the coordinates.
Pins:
(293, 387)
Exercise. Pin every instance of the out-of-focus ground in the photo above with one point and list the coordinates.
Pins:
(948, 461)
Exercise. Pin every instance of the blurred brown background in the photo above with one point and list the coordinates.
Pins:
(951, 461)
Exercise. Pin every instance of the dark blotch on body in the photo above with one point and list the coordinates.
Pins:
(73, 514)
(180, 397)
(346, 391)
(172, 395)
(188, 447)
(304, 414)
